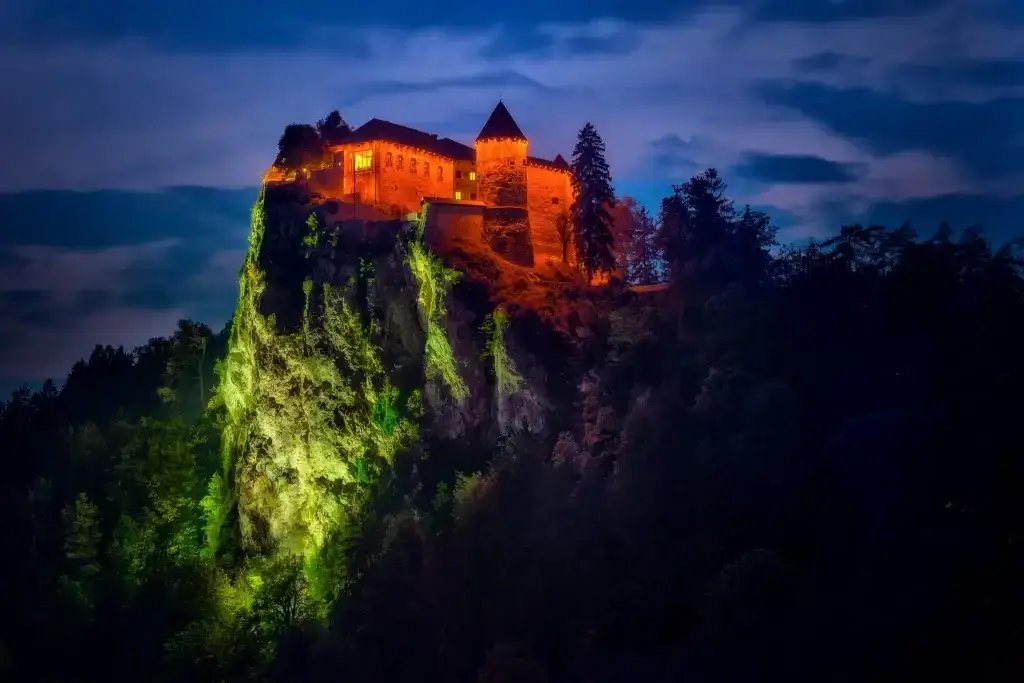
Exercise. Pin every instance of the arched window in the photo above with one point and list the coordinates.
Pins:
(412, 164)
(401, 162)
(387, 160)
(440, 172)
(426, 169)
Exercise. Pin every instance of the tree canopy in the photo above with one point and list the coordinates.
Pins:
(799, 463)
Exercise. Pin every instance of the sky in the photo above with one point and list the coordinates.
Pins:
(135, 131)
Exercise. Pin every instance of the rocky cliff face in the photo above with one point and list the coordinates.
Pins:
(353, 342)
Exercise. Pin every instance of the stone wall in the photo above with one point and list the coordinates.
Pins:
(501, 172)
(507, 232)
(550, 194)
(448, 222)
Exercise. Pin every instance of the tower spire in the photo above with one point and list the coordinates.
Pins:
(500, 125)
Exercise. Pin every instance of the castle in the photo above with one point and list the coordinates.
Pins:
(493, 191)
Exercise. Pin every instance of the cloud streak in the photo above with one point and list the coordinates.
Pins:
(155, 117)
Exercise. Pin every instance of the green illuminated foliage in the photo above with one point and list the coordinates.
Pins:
(505, 372)
(434, 281)
(310, 415)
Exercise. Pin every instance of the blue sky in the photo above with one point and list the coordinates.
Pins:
(822, 112)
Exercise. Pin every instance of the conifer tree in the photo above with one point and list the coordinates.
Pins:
(591, 219)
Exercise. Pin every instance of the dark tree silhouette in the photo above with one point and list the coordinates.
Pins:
(591, 219)
(300, 147)
(332, 128)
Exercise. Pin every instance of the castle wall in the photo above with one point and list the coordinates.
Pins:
(550, 194)
(391, 184)
(448, 222)
(406, 175)
(501, 172)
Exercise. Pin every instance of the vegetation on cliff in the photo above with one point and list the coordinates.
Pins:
(796, 464)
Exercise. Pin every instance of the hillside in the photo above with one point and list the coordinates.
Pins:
(401, 463)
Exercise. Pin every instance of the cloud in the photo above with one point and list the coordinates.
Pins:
(787, 168)
(56, 302)
(151, 116)
(36, 351)
(815, 111)
(65, 274)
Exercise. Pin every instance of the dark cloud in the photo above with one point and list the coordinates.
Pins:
(839, 10)
(230, 24)
(984, 136)
(997, 217)
(199, 216)
(828, 61)
(145, 260)
(505, 79)
(983, 74)
(783, 168)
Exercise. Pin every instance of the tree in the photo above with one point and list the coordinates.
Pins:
(592, 187)
(705, 240)
(187, 367)
(563, 225)
(332, 128)
(645, 257)
(635, 235)
(623, 213)
(300, 147)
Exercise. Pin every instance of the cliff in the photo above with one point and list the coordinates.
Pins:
(353, 343)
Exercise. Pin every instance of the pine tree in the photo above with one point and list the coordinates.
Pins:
(642, 266)
(591, 219)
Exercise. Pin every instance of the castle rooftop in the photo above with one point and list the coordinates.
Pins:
(500, 125)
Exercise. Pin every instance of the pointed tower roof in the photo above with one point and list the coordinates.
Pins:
(559, 162)
(500, 125)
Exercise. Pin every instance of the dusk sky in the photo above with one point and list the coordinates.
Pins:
(820, 112)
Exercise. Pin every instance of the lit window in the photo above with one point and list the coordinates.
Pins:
(472, 175)
(364, 160)
(458, 195)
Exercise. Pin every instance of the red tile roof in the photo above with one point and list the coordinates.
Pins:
(378, 129)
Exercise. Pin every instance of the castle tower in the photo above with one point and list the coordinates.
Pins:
(501, 151)
(501, 161)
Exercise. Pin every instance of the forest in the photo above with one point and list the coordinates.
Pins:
(789, 463)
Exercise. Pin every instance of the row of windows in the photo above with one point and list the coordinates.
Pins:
(364, 162)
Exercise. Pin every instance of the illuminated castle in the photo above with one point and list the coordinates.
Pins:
(492, 191)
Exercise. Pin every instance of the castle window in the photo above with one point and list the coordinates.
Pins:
(472, 175)
(458, 175)
(473, 197)
(440, 172)
(364, 160)
(412, 164)
(458, 195)
(554, 200)
(387, 160)
(426, 169)
(401, 162)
